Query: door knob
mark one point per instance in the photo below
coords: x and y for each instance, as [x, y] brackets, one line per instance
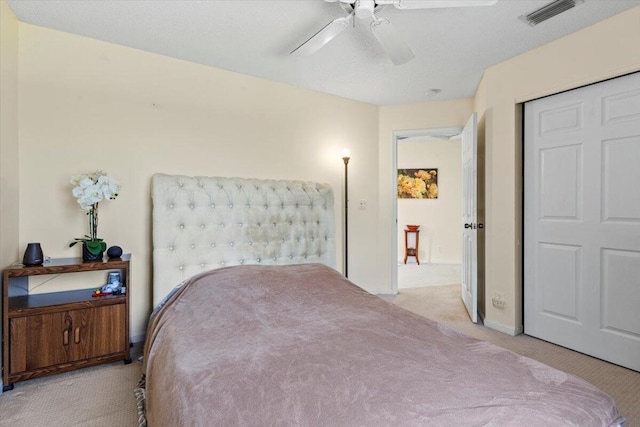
[473, 226]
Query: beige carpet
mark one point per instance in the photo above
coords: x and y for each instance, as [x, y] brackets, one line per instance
[100, 396]
[103, 395]
[443, 304]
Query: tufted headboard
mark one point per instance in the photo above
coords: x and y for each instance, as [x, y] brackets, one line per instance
[203, 223]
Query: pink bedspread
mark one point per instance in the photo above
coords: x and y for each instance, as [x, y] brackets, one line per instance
[301, 346]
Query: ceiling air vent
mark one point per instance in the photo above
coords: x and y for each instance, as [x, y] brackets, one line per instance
[548, 11]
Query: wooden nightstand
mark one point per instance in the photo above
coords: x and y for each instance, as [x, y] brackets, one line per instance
[59, 331]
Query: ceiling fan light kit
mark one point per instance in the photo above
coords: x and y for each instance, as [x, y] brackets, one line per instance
[390, 41]
[364, 8]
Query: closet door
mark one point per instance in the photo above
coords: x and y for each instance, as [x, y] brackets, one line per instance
[582, 220]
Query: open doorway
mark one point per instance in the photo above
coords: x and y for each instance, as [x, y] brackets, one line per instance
[429, 195]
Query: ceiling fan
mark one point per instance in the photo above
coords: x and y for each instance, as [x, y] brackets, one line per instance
[397, 50]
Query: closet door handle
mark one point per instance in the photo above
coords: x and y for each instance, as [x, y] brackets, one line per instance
[76, 335]
[65, 337]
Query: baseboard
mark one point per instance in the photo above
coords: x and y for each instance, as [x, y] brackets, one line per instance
[443, 261]
[430, 261]
[504, 329]
[138, 339]
[378, 291]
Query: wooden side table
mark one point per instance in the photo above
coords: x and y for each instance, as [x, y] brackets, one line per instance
[408, 251]
[58, 331]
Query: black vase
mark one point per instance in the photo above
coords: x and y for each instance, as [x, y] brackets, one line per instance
[88, 256]
[33, 255]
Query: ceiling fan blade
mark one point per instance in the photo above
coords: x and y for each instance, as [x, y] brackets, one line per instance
[393, 45]
[433, 4]
[323, 36]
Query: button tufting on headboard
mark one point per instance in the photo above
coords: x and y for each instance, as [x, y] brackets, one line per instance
[276, 222]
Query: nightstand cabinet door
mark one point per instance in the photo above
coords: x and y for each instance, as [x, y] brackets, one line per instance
[39, 341]
[99, 331]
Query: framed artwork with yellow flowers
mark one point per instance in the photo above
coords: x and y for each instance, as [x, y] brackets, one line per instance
[418, 183]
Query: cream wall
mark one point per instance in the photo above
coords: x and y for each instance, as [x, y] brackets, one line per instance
[88, 105]
[9, 175]
[427, 115]
[439, 219]
[604, 50]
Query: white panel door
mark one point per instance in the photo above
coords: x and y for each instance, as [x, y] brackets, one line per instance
[582, 220]
[470, 217]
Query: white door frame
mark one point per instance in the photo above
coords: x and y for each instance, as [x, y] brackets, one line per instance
[396, 137]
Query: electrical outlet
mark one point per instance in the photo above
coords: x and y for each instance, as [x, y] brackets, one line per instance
[363, 204]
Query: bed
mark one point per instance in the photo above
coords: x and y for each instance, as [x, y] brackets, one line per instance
[263, 331]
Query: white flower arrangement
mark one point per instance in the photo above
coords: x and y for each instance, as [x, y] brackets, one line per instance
[89, 189]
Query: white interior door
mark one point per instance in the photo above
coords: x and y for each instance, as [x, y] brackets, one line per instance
[582, 220]
[470, 217]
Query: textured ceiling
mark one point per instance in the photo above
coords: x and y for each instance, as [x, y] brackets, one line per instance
[452, 46]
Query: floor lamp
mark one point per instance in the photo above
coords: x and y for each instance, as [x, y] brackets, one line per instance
[346, 213]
